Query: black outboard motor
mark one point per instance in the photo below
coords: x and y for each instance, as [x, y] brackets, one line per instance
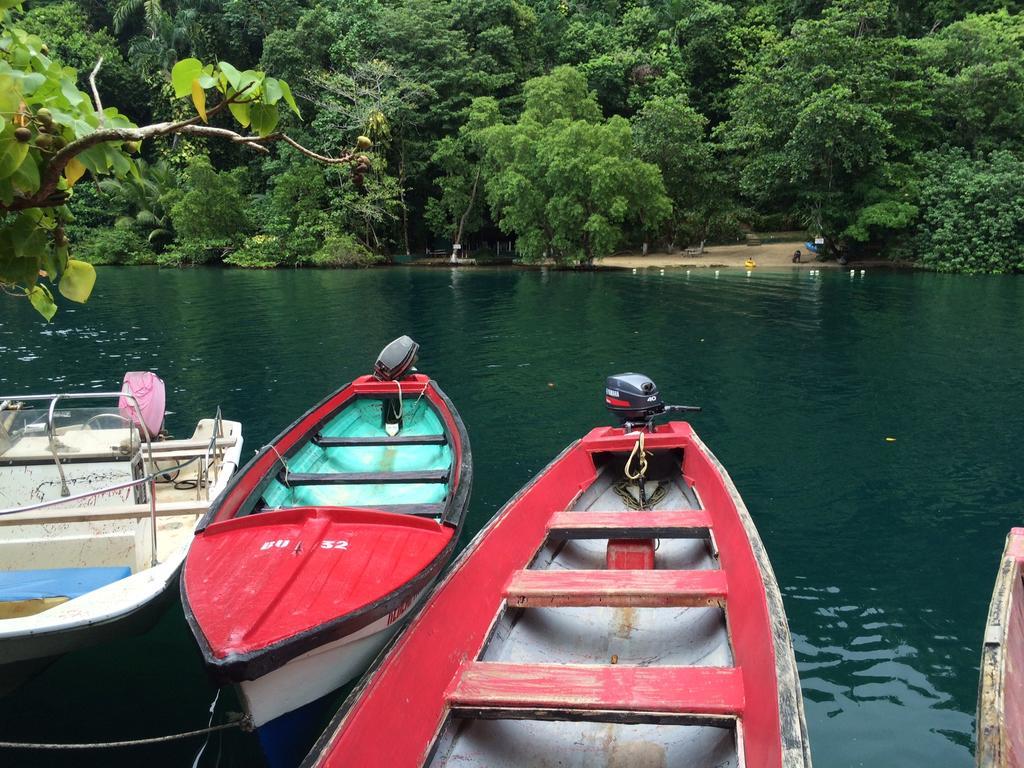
[393, 363]
[634, 399]
[396, 359]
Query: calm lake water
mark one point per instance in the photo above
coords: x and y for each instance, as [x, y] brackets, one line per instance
[885, 551]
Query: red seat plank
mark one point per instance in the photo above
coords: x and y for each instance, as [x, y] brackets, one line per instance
[667, 524]
[652, 588]
[677, 690]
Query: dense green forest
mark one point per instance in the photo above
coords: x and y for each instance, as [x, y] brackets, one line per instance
[572, 128]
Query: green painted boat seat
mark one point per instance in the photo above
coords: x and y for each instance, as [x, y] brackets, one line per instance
[362, 478]
[366, 442]
[37, 584]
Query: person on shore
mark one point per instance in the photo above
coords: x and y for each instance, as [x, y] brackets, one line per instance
[796, 256]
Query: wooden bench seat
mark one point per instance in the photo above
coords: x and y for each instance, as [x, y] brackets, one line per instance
[679, 690]
[615, 588]
[659, 524]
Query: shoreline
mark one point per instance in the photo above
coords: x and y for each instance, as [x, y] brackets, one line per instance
[766, 256]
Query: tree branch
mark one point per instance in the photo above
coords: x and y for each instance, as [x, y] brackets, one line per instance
[95, 91]
[346, 158]
[48, 196]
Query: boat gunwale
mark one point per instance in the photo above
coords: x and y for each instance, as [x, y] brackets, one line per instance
[252, 665]
[791, 720]
[991, 732]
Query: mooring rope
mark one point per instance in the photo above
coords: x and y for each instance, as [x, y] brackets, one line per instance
[243, 722]
[287, 470]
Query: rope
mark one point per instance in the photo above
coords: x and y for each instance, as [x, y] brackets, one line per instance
[622, 490]
[244, 723]
[638, 449]
[284, 463]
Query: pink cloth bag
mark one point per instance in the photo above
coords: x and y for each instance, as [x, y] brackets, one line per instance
[148, 389]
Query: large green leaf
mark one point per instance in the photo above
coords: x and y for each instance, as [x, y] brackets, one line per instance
[232, 75]
[26, 177]
[42, 300]
[12, 154]
[77, 281]
[288, 98]
[241, 113]
[272, 90]
[264, 118]
[10, 93]
[182, 75]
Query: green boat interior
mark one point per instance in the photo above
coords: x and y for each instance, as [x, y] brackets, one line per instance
[353, 461]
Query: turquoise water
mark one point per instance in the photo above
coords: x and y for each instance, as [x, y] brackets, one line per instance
[885, 551]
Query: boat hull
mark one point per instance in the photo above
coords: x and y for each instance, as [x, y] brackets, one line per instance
[1000, 736]
[128, 606]
[334, 532]
[577, 631]
[316, 674]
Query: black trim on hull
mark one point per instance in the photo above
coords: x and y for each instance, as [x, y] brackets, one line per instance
[387, 442]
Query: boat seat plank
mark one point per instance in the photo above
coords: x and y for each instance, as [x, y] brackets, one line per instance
[365, 442]
[618, 588]
[362, 478]
[169, 446]
[660, 524]
[624, 688]
[418, 510]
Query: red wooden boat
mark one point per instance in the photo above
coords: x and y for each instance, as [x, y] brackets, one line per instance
[620, 610]
[321, 545]
[1001, 691]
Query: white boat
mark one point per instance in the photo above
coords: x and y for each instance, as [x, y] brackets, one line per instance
[96, 516]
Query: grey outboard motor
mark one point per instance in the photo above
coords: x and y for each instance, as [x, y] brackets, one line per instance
[634, 400]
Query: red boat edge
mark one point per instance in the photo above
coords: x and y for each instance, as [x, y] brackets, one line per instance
[397, 713]
[1000, 737]
[246, 487]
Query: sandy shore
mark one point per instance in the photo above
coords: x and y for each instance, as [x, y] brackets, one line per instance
[767, 255]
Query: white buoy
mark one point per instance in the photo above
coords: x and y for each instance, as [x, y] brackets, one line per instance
[634, 270]
[862, 273]
[663, 271]
[749, 273]
[851, 272]
[687, 272]
[716, 273]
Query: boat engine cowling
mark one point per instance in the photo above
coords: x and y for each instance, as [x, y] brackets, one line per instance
[396, 359]
[632, 397]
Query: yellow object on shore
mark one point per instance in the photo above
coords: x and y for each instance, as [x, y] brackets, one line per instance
[750, 264]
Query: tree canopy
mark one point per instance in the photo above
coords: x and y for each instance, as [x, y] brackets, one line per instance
[570, 129]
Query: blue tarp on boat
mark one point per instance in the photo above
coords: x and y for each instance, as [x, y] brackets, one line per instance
[57, 582]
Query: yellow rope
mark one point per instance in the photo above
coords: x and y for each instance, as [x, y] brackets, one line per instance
[638, 450]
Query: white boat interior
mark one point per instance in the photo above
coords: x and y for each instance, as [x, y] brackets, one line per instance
[95, 515]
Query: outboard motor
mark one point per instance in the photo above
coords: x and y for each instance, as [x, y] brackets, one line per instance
[634, 399]
[393, 363]
[396, 359]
